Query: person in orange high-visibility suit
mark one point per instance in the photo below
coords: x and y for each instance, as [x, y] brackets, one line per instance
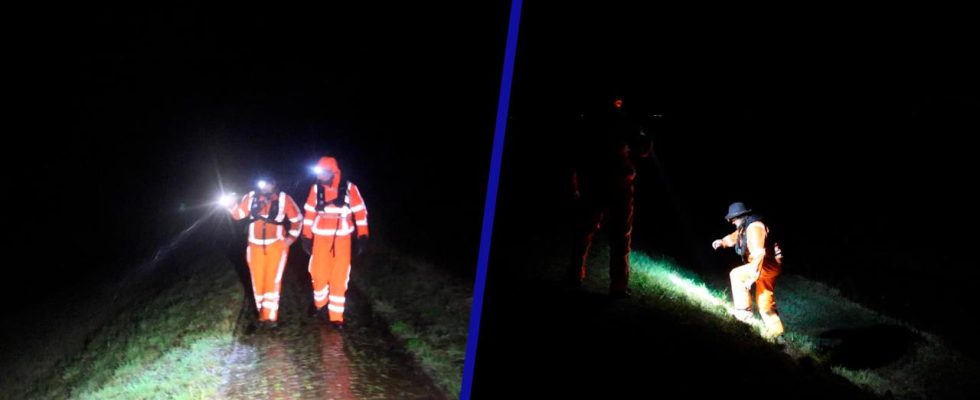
[610, 145]
[763, 263]
[334, 211]
[268, 243]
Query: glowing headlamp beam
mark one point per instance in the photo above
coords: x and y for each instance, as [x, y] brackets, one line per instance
[226, 200]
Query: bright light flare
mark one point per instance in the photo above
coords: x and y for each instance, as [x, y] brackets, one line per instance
[226, 200]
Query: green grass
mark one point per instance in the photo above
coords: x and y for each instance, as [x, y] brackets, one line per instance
[424, 308]
[175, 351]
[808, 308]
[191, 371]
[866, 379]
[662, 278]
[174, 338]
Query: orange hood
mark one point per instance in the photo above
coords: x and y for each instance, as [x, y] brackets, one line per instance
[330, 163]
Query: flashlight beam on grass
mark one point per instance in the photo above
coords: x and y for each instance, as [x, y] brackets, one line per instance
[696, 292]
[701, 295]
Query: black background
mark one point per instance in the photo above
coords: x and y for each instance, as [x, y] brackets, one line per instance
[850, 129]
[128, 116]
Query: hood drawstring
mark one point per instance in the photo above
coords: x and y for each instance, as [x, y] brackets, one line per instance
[333, 242]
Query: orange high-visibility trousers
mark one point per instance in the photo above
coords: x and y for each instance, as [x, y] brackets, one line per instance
[266, 263]
[613, 212]
[330, 270]
[742, 279]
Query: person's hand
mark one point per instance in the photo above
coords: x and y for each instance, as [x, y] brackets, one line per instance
[716, 244]
[307, 244]
[362, 243]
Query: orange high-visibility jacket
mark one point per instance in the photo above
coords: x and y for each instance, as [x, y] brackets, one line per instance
[260, 231]
[340, 217]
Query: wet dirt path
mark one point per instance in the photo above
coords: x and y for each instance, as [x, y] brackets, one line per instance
[305, 359]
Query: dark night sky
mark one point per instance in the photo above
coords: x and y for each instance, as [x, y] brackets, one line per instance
[857, 119]
[865, 120]
[133, 110]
